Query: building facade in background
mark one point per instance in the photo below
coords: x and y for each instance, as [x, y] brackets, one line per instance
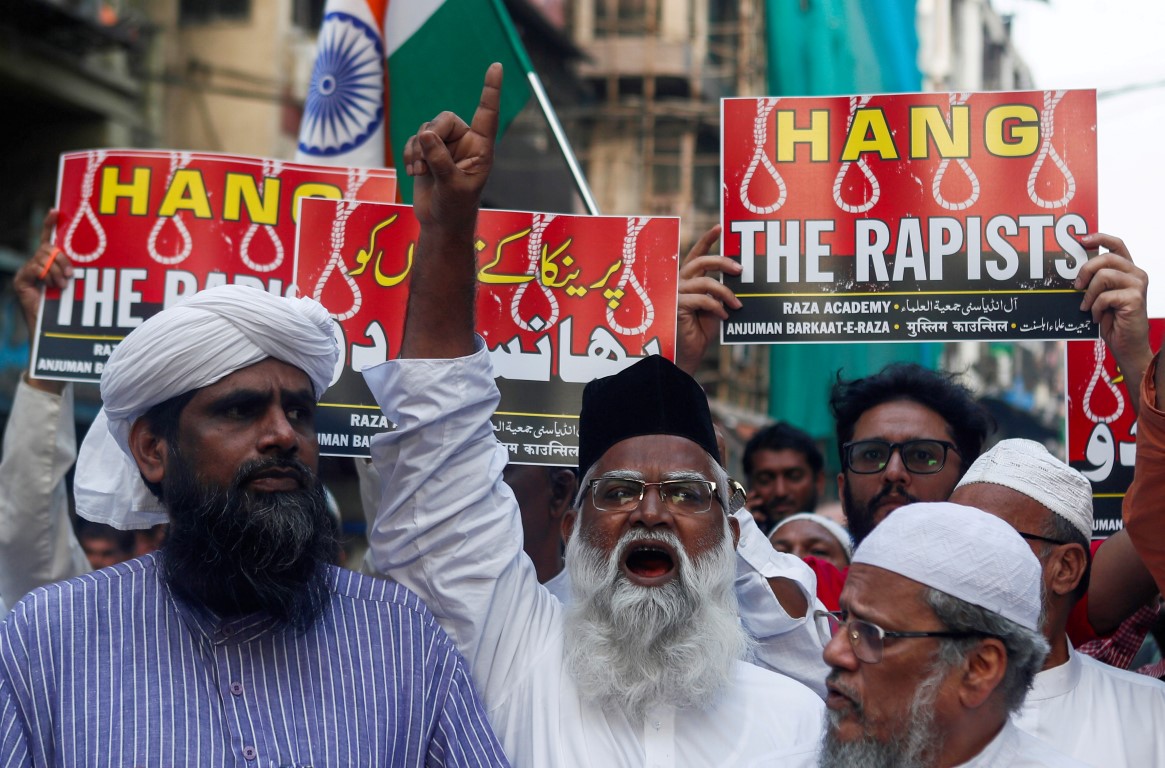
[637, 84]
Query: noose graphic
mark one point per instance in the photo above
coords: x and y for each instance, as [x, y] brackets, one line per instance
[356, 179]
[634, 227]
[177, 160]
[875, 188]
[93, 161]
[1047, 128]
[957, 99]
[271, 168]
[533, 254]
[760, 138]
[1099, 372]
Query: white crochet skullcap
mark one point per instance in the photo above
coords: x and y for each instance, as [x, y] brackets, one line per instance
[188, 346]
[1027, 467]
[962, 551]
[839, 533]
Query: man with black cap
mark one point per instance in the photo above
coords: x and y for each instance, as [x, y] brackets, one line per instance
[644, 668]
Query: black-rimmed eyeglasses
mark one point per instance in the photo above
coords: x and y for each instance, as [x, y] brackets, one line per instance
[621, 494]
[866, 638]
[922, 457]
[1037, 537]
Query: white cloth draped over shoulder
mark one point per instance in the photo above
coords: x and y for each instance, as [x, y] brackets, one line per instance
[1012, 748]
[37, 545]
[449, 529]
[186, 347]
[1100, 715]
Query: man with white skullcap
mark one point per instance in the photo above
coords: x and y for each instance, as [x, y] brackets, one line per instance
[810, 534]
[1096, 713]
[239, 643]
[936, 643]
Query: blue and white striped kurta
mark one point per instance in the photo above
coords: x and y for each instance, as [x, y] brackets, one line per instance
[110, 669]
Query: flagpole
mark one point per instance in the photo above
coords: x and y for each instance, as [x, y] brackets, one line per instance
[548, 112]
[544, 104]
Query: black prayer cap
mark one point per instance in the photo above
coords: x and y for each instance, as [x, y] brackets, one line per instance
[652, 397]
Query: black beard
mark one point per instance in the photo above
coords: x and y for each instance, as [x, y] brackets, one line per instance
[770, 510]
[860, 519]
[237, 552]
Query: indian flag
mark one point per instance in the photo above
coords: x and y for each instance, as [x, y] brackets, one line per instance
[403, 61]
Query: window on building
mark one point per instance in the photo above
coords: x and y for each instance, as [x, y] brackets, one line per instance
[203, 11]
[668, 158]
[307, 14]
[625, 17]
[706, 169]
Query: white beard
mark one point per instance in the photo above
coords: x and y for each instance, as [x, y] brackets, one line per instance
[915, 745]
[632, 647]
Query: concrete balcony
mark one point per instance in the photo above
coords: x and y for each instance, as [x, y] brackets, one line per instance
[637, 56]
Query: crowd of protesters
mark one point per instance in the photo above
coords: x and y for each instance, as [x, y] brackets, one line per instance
[640, 609]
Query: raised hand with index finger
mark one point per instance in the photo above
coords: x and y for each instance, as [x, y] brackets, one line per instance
[450, 161]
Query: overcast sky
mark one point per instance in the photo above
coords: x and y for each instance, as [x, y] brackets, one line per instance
[1111, 45]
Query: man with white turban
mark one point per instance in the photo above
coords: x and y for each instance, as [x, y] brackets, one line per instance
[239, 643]
[1096, 713]
[936, 643]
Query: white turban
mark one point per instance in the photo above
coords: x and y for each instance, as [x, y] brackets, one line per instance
[839, 533]
[962, 551]
[186, 347]
[1027, 467]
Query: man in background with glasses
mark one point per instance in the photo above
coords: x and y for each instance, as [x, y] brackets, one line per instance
[1096, 713]
[906, 434]
[936, 643]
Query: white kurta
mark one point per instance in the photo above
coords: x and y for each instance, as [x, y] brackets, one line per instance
[449, 529]
[1013, 748]
[1100, 715]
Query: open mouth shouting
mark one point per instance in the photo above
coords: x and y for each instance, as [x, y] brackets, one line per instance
[840, 698]
[649, 562]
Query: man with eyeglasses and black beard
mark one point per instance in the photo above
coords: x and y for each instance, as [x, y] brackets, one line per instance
[906, 434]
[937, 642]
[644, 668]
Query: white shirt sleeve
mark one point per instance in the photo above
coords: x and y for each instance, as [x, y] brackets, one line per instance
[37, 543]
[448, 527]
[784, 644]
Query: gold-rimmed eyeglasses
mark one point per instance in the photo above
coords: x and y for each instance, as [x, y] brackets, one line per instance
[623, 494]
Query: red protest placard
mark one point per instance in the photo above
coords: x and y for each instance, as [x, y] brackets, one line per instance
[145, 228]
[1102, 427]
[561, 300]
[912, 217]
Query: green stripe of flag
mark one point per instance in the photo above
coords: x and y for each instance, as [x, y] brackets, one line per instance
[441, 67]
